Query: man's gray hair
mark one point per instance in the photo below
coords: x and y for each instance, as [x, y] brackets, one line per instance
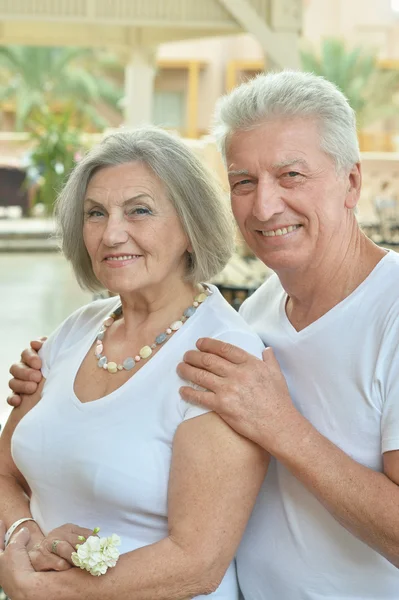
[290, 94]
[197, 197]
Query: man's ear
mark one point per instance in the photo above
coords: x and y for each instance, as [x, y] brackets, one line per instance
[354, 180]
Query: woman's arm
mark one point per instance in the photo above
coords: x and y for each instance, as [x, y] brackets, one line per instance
[214, 480]
[14, 490]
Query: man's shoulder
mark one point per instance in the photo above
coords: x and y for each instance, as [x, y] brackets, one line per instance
[269, 291]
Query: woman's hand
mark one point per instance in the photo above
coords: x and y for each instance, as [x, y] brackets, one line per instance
[26, 374]
[54, 552]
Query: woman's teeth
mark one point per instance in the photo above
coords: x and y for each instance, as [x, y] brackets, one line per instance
[125, 257]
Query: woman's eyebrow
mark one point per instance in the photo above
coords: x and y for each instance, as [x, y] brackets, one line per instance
[124, 203]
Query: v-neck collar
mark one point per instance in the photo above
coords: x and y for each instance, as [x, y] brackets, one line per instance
[327, 317]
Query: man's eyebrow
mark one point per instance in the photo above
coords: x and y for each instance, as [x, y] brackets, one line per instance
[290, 162]
[237, 173]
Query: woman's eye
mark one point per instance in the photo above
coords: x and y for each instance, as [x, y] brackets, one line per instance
[140, 211]
[94, 213]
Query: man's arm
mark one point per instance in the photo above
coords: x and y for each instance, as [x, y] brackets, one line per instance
[214, 480]
[364, 501]
[26, 374]
[253, 398]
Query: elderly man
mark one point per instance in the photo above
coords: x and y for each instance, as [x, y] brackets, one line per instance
[325, 400]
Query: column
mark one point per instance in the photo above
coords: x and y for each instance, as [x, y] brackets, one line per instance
[192, 99]
[139, 87]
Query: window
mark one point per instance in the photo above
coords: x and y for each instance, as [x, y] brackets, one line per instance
[169, 109]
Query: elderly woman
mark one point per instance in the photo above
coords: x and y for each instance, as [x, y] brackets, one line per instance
[107, 440]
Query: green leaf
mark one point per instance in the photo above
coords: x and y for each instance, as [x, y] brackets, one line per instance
[371, 92]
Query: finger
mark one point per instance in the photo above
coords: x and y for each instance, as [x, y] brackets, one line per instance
[14, 400]
[47, 561]
[21, 371]
[227, 351]
[2, 534]
[273, 366]
[205, 399]
[210, 362]
[37, 344]
[22, 387]
[200, 377]
[31, 358]
[76, 530]
[62, 549]
[17, 551]
[268, 354]
[20, 540]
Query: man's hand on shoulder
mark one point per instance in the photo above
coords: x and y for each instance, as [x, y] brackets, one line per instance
[251, 395]
[26, 373]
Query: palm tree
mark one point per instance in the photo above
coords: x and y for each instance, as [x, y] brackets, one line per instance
[33, 77]
[369, 89]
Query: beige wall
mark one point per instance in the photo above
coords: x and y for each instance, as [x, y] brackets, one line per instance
[368, 22]
[215, 53]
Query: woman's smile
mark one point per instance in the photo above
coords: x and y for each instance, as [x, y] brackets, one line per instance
[116, 261]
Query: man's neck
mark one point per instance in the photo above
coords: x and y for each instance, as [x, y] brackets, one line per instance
[312, 293]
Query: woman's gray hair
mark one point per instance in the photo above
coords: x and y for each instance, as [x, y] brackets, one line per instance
[194, 192]
[291, 94]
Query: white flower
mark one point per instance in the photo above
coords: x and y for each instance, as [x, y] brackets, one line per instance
[97, 555]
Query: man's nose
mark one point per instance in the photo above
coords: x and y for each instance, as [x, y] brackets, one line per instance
[268, 201]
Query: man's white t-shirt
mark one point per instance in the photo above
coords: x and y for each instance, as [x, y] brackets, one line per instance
[343, 375]
[106, 463]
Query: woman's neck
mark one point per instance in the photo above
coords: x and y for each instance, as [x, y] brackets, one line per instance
[157, 306]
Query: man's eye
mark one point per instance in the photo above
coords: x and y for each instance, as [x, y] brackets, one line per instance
[292, 174]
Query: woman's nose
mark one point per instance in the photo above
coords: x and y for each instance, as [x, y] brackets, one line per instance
[115, 232]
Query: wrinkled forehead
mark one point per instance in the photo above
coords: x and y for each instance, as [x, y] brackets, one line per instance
[125, 180]
[277, 143]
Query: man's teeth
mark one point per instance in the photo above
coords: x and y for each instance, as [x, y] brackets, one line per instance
[126, 257]
[282, 231]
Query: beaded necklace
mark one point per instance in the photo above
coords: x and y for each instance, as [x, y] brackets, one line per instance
[129, 363]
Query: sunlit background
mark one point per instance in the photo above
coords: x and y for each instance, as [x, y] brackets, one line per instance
[71, 71]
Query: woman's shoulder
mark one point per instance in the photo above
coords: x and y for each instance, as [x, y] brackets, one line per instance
[81, 322]
[88, 316]
[220, 320]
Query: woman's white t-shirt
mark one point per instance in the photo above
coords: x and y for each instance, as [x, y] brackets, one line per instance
[106, 463]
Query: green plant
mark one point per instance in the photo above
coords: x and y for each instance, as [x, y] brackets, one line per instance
[56, 146]
[32, 77]
[370, 89]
